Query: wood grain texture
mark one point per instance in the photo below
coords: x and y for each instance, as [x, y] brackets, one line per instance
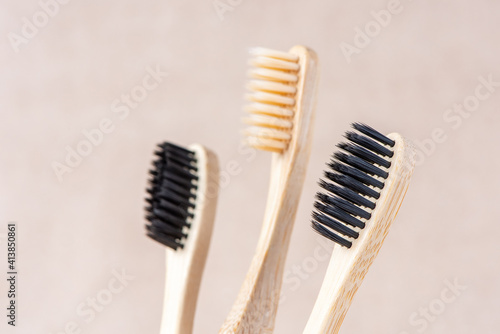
[348, 267]
[184, 267]
[255, 308]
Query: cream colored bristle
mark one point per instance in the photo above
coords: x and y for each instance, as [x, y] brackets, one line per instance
[268, 109]
[274, 54]
[269, 86]
[272, 90]
[273, 63]
[269, 122]
[269, 133]
[271, 98]
[273, 75]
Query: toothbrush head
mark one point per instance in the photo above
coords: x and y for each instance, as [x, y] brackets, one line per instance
[353, 184]
[275, 89]
[172, 194]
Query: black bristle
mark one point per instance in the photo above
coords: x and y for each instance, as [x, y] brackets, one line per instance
[327, 233]
[356, 178]
[339, 214]
[181, 161]
[369, 144]
[352, 184]
[169, 147]
[171, 197]
[347, 194]
[180, 170]
[183, 182]
[364, 154]
[344, 205]
[371, 132]
[332, 223]
[360, 164]
[355, 173]
[177, 189]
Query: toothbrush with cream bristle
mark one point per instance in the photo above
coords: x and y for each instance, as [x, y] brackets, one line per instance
[283, 95]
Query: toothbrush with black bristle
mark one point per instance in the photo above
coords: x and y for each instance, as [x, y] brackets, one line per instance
[180, 212]
[364, 186]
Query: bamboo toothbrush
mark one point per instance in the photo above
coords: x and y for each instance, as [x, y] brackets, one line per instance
[181, 211]
[366, 186]
[283, 94]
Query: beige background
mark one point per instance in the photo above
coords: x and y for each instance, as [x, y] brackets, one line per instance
[73, 233]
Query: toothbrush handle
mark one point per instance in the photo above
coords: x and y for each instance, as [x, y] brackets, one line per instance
[257, 303]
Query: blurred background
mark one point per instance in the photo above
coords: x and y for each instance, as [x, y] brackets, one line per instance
[71, 70]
